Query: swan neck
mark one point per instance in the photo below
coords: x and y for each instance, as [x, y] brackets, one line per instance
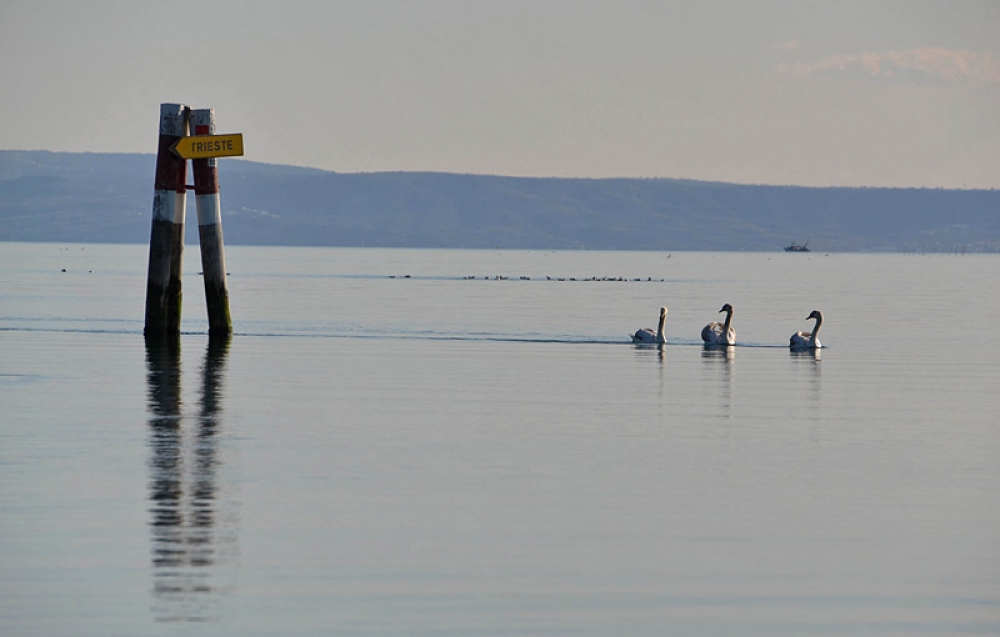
[814, 337]
[729, 320]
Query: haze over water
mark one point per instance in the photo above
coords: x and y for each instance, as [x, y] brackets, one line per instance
[387, 447]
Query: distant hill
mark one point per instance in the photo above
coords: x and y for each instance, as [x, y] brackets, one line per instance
[89, 197]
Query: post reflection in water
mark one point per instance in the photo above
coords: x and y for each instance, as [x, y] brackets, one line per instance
[191, 538]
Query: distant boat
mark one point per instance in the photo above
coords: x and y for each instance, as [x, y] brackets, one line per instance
[798, 248]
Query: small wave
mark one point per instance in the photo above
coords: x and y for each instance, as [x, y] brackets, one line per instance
[494, 338]
[12, 379]
[415, 336]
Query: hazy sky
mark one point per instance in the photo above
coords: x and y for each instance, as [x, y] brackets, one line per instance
[878, 93]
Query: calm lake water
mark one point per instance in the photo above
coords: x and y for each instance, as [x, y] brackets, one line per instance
[387, 447]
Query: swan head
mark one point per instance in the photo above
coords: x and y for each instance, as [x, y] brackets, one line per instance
[726, 308]
[815, 314]
[663, 311]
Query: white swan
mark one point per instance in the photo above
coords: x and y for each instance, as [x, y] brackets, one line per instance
[716, 333]
[646, 335]
[808, 340]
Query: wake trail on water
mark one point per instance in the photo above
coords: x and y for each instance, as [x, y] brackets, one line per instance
[413, 336]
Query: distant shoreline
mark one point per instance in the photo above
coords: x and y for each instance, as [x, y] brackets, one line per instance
[107, 198]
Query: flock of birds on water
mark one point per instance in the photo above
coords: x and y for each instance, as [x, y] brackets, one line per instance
[717, 334]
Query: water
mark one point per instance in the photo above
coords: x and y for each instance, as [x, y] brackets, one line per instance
[387, 447]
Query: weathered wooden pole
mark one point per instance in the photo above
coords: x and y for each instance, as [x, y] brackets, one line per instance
[166, 240]
[213, 257]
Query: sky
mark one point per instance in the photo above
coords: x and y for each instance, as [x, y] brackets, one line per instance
[815, 93]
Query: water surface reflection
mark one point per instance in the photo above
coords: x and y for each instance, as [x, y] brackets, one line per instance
[723, 358]
[651, 349]
[190, 538]
[809, 360]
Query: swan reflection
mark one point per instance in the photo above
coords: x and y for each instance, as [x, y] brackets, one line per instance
[651, 349]
[190, 538]
[725, 352]
[807, 363]
[721, 357]
[805, 354]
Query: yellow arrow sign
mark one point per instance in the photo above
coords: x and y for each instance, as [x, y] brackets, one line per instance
[205, 146]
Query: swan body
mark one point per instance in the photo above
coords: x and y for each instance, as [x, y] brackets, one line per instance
[716, 333]
[808, 340]
[647, 335]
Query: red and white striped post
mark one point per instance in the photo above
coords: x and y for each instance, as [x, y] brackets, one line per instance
[166, 240]
[213, 258]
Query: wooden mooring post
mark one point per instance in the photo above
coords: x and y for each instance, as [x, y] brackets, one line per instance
[213, 257]
[166, 241]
